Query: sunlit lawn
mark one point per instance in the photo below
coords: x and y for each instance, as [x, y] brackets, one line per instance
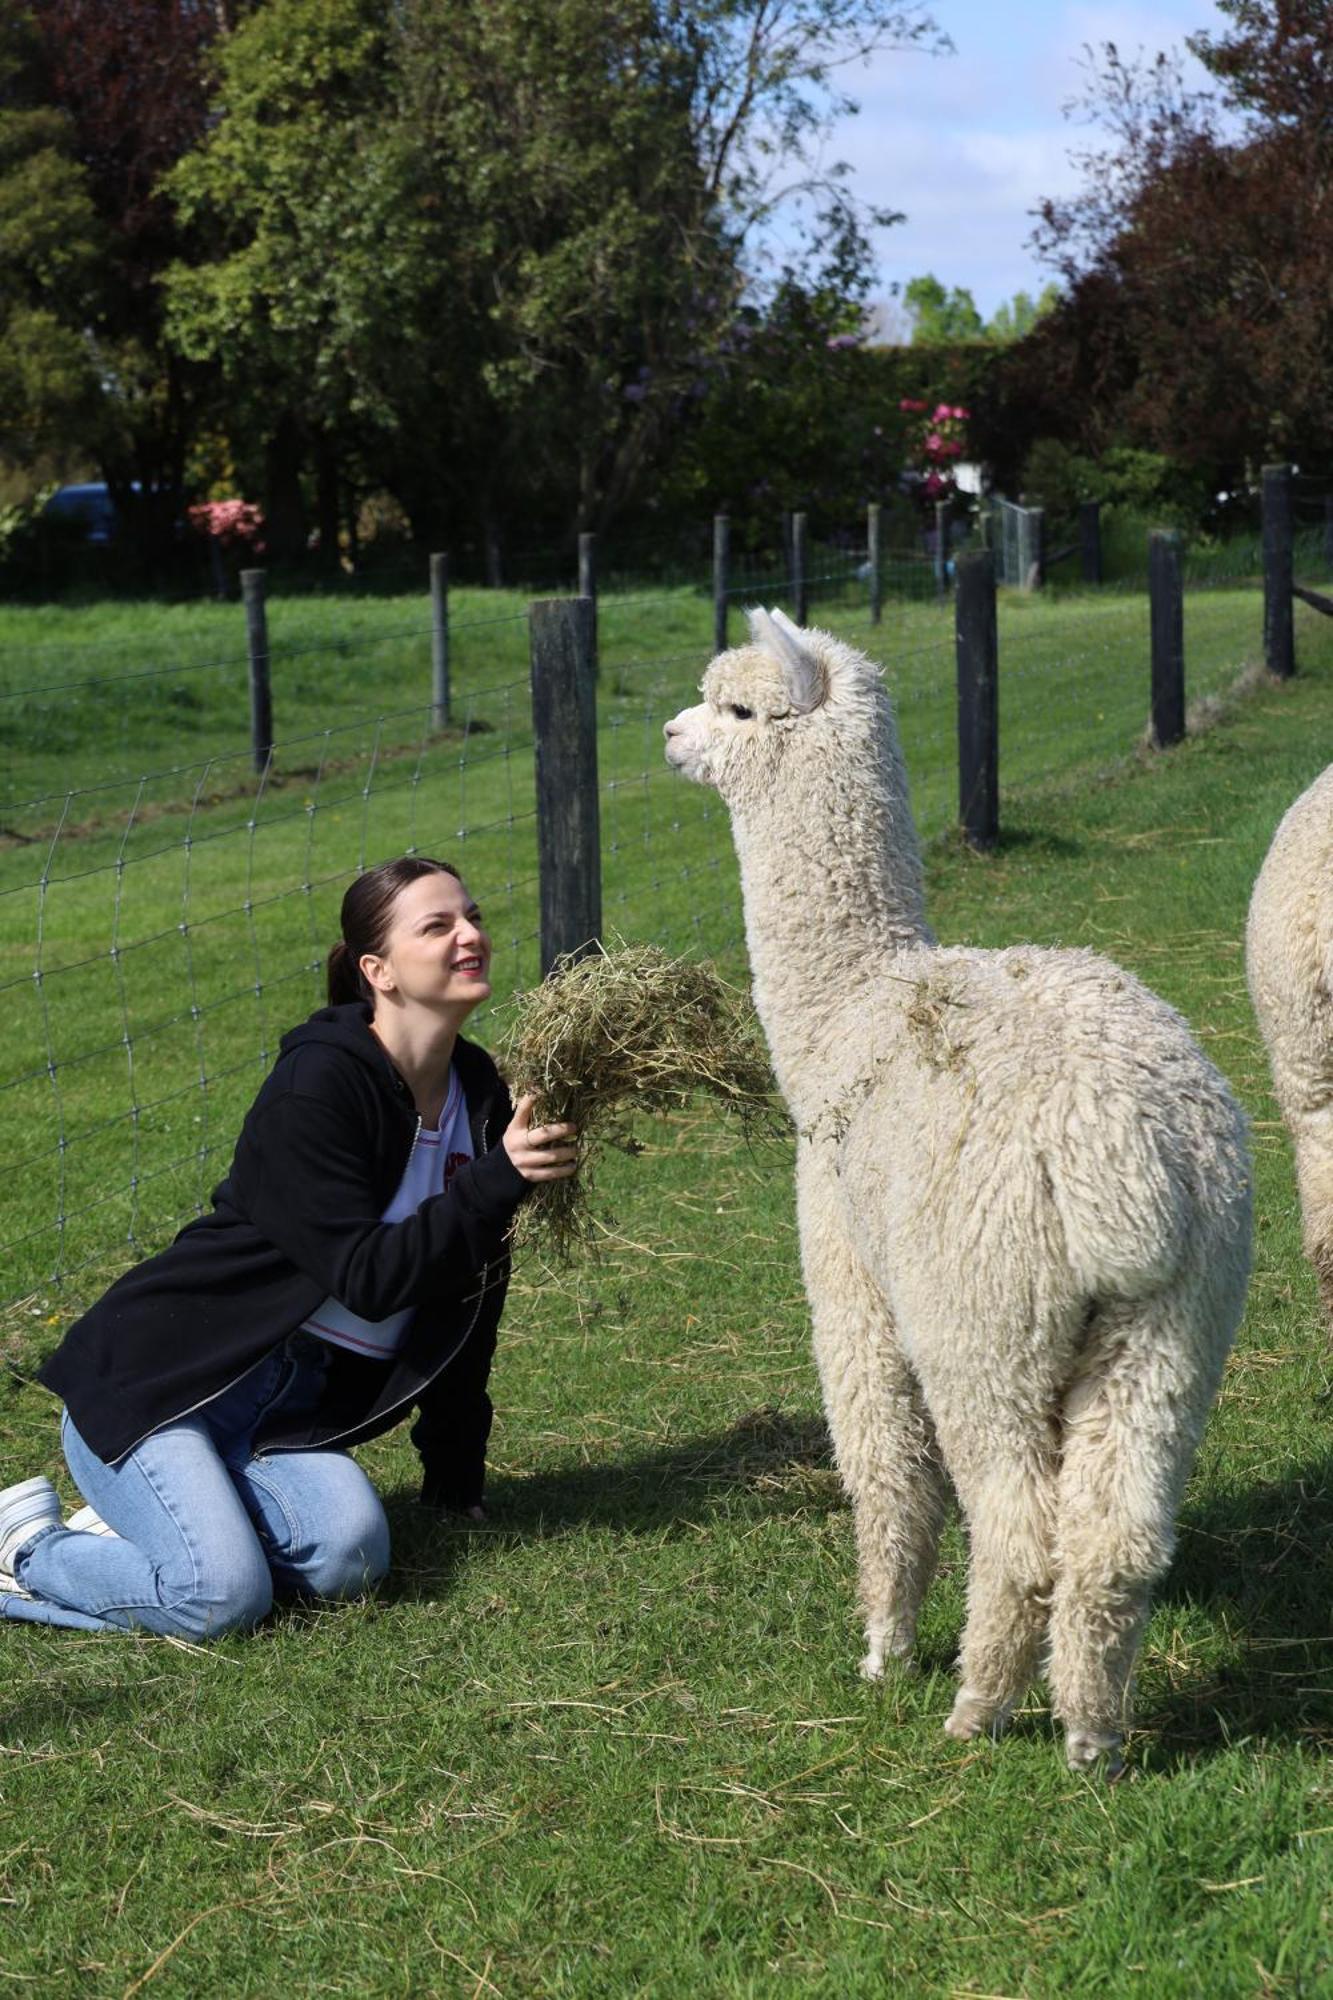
[615, 1743]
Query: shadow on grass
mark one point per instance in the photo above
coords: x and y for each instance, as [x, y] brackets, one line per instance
[1041, 842]
[772, 1461]
[1255, 1561]
[1259, 1561]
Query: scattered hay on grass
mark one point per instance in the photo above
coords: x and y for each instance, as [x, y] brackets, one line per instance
[618, 1033]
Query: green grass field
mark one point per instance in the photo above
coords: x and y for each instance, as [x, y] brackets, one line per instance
[157, 932]
[615, 1743]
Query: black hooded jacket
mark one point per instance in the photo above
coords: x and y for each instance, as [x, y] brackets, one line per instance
[319, 1158]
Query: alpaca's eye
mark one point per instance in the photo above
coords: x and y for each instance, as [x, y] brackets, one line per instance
[742, 714]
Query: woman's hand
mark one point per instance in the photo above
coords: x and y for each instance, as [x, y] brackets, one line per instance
[540, 1152]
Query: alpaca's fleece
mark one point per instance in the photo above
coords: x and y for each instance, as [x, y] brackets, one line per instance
[1289, 963]
[1023, 1196]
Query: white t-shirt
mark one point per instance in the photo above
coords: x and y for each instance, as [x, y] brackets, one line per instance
[432, 1164]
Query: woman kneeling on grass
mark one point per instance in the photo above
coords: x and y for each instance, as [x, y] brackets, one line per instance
[354, 1266]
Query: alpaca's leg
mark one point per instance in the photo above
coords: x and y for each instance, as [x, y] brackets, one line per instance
[883, 1441]
[1312, 1138]
[885, 1449]
[899, 1494]
[1132, 1424]
[1004, 1466]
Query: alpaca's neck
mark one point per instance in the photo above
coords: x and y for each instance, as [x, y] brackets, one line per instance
[831, 876]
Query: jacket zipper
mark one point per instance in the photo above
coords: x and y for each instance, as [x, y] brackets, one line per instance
[404, 1402]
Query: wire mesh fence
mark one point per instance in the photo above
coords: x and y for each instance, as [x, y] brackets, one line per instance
[154, 955]
[165, 918]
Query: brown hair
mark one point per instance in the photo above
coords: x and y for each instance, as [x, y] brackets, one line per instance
[367, 918]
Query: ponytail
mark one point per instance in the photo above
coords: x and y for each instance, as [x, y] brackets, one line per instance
[344, 977]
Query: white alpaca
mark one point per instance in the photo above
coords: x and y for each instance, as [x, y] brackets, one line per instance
[1289, 960]
[1023, 1199]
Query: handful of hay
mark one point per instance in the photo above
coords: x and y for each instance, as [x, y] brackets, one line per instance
[619, 1032]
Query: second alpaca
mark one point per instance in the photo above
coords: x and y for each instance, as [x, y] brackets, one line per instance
[1289, 965]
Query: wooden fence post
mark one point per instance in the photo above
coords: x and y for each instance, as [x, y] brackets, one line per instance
[1166, 599]
[588, 585]
[1279, 644]
[1328, 531]
[873, 562]
[1090, 539]
[977, 652]
[941, 547]
[439, 641]
[799, 586]
[256, 639]
[564, 724]
[721, 580]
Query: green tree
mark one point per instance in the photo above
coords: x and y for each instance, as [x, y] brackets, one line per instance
[1016, 317]
[786, 421]
[95, 103]
[313, 253]
[593, 254]
[940, 317]
[944, 318]
[492, 249]
[1196, 321]
[51, 254]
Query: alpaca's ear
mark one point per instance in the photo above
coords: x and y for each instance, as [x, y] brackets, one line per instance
[774, 631]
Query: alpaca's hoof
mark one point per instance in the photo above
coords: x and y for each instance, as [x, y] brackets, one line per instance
[971, 1716]
[1085, 1749]
[887, 1647]
[877, 1663]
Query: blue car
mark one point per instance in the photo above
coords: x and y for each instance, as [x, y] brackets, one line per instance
[89, 505]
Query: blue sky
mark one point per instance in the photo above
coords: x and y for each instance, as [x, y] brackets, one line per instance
[967, 144]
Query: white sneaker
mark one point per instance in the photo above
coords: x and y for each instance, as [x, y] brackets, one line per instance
[32, 1504]
[87, 1521]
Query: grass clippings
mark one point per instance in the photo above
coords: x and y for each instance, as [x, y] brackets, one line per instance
[611, 1036]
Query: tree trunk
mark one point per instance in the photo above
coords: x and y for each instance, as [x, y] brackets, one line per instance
[326, 501]
[491, 554]
[284, 507]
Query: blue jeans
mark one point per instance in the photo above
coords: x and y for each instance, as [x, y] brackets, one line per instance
[208, 1532]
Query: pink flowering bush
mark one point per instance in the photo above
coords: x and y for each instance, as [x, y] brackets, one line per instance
[230, 524]
[935, 445]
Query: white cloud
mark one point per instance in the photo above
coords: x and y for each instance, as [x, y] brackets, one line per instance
[969, 145]
[969, 214]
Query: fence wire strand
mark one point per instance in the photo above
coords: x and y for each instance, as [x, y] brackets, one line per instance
[163, 925]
